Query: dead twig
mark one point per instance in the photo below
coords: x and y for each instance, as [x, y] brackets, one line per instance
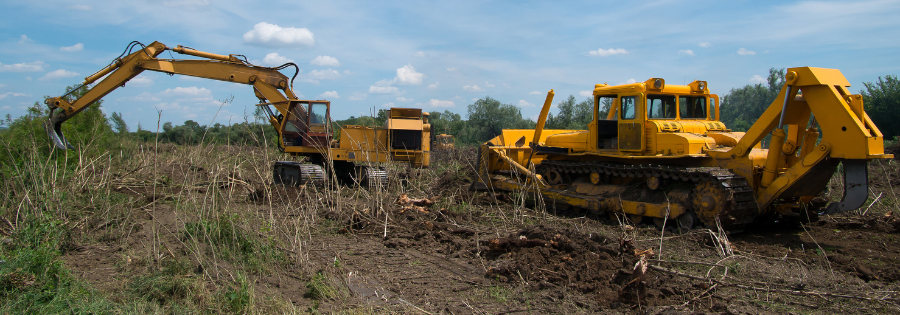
[792, 292]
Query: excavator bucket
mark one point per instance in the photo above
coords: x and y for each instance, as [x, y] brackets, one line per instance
[856, 187]
[54, 131]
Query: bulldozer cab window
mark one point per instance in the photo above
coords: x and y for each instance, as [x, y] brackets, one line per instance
[660, 106]
[692, 107]
[317, 113]
[604, 104]
[628, 107]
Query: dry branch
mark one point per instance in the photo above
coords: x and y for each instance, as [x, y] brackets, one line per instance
[793, 292]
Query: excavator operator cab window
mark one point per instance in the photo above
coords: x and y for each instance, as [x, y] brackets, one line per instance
[692, 107]
[660, 106]
[317, 114]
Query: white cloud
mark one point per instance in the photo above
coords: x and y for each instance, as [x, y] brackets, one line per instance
[408, 75]
[586, 93]
[23, 67]
[629, 81]
[383, 87]
[143, 97]
[324, 74]
[488, 84]
[419, 54]
[186, 3]
[434, 85]
[523, 103]
[452, 69]
[191, 91]
[266, 34]
[705, 44]
[274, 59]
[73, 48]
[473, 88]
[687, 52]
[439, 103]
[534, 93]
[58, 74]
[403, 99]
[506, 85]
[80, 7]
[388, 105]
[24, 39]
[329, 95]
[325, 61]
[743, 51]
[140, 81]
[7, 94]
[608, 52]
[757, 79]
[172, 106]
[357, 96]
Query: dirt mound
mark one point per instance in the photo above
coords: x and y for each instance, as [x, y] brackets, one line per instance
[551, 259]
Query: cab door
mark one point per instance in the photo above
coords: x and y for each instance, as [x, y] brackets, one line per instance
[631, 123]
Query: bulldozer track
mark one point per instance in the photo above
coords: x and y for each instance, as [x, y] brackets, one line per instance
[738, 208]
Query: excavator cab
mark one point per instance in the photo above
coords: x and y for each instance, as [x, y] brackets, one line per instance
[307, 124]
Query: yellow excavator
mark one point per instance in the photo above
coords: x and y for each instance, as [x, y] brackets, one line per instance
[303, 126]
[662, 153]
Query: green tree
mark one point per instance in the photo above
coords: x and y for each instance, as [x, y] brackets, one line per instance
[119, 123]
[882, 103]
[488, 117]
[89, 130]
[741, 107]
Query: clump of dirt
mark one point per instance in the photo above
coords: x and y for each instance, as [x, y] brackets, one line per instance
[549, 259]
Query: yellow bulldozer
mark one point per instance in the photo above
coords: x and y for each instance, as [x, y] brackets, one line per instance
[662, 153]
[304, 126]
[443, 142]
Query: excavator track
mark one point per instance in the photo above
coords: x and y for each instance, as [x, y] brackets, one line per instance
[373, 177]
[718, 193]
[296, 173]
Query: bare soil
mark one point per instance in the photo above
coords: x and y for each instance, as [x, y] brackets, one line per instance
[482, 253]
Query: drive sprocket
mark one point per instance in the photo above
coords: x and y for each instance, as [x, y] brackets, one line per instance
[709, 200]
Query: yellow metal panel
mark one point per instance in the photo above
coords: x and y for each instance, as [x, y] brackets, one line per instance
[405, 124]
[819, 76]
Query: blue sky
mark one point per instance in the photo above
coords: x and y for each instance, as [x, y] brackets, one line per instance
[436, 55]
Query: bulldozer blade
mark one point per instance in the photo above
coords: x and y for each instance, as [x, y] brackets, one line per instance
[54, 131]
[856, 187]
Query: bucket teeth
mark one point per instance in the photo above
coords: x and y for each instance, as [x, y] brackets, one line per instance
[54, 132]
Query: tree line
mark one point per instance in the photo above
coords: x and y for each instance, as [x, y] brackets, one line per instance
[484, 119]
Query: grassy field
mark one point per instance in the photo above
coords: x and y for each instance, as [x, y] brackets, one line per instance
[145, 228]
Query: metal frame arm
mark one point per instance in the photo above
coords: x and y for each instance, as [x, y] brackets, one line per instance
[266, 82]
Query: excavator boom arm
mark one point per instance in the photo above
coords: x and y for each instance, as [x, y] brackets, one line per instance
[270, 85]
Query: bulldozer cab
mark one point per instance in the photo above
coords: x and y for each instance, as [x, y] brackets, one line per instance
[307, 124]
